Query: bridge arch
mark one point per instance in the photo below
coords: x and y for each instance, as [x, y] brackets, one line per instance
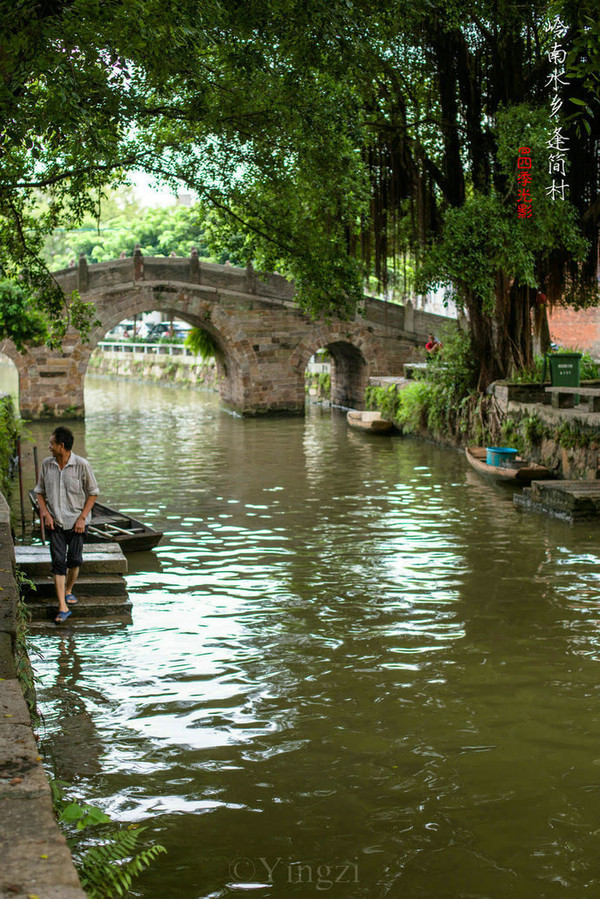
[264, 341]
[355, 355]
[236, 360]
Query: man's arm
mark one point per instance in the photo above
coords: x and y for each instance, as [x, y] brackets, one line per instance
[44, 512]
[79, 526]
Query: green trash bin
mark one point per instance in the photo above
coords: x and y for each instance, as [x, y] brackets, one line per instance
[565, 369]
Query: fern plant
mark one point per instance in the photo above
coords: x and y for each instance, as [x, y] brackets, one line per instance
[108, 868]
[201, 343]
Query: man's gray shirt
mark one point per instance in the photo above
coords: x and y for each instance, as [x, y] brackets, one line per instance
[66, 491]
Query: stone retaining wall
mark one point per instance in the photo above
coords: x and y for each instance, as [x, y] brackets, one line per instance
[34, 857]
[182, 371]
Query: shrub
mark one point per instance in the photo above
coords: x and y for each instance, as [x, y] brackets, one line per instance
[535, 374]
[9, 432]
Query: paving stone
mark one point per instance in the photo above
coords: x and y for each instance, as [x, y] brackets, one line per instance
[12, 703]
[40, 866]
[21, 771]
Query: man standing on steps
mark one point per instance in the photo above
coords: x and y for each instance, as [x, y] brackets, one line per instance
[66, 491]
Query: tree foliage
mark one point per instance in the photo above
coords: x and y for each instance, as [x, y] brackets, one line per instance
[325, 141]
[203, 96]
[159, 231]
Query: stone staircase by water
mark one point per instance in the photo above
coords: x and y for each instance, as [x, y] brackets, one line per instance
[100, 588]
[570, 500]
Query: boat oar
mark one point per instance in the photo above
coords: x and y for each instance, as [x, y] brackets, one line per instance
[37, 474]
[20, 467]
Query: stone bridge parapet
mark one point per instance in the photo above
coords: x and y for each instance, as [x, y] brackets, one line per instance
[263, 339]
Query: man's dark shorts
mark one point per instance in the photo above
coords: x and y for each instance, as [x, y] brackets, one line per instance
[66, 549]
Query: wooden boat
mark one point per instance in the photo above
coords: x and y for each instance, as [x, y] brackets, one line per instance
[111, 526]
[519, 471]
[369, 421]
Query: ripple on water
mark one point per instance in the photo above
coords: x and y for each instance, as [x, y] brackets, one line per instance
[344, 650]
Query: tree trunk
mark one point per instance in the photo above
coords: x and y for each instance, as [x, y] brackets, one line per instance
[501, 341]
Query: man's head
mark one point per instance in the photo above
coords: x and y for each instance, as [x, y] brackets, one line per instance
[61, 440]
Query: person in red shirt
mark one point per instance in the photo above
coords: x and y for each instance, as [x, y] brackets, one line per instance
[433, 345]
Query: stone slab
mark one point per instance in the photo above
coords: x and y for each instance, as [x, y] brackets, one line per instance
[21, 772]
[99, 607]
[90, 626]
[12, 704]
[87, 586]
[35, 560]
[35, 549]
[41, 866]
[35, 858]
[7, 661]
[569, 500]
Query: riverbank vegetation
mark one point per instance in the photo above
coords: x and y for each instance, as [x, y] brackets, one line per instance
[535, 373]
[9, 434]
[421, 117]
[443, 403]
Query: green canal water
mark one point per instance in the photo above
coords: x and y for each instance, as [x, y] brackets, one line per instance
[354, 668]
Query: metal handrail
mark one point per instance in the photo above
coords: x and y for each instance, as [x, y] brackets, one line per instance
[157, 349]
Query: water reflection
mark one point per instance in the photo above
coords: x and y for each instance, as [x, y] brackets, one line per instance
[347, 652]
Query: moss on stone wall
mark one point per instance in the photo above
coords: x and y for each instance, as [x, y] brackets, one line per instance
[155, 369]
[9, 432]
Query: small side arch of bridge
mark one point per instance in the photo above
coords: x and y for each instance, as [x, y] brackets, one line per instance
[263, 340]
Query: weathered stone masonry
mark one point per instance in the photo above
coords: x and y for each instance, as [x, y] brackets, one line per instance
[264, 342]
[35, 858]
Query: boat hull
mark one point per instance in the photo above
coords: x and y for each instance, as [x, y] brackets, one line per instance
[371, 422]
[111, 526]
[519, 472]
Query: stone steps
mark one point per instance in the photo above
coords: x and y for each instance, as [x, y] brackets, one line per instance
[570, 500]
[100, 588]
[98, 607]
[88, 585]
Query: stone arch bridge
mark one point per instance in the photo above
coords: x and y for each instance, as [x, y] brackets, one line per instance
[264, 342]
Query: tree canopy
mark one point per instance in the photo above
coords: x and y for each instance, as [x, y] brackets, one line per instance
[158, 231]
[325, 141]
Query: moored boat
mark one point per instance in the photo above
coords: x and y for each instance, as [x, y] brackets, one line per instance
[518, 470]
[111, 526]
[369, 421]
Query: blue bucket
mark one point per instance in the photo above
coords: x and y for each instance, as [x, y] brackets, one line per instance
[500, 456]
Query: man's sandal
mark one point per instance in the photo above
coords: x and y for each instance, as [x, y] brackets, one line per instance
[62, 617]
[71, 599]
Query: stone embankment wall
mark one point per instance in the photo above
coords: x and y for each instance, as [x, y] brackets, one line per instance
[181, 371]
[565, 440]
[34, 857]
